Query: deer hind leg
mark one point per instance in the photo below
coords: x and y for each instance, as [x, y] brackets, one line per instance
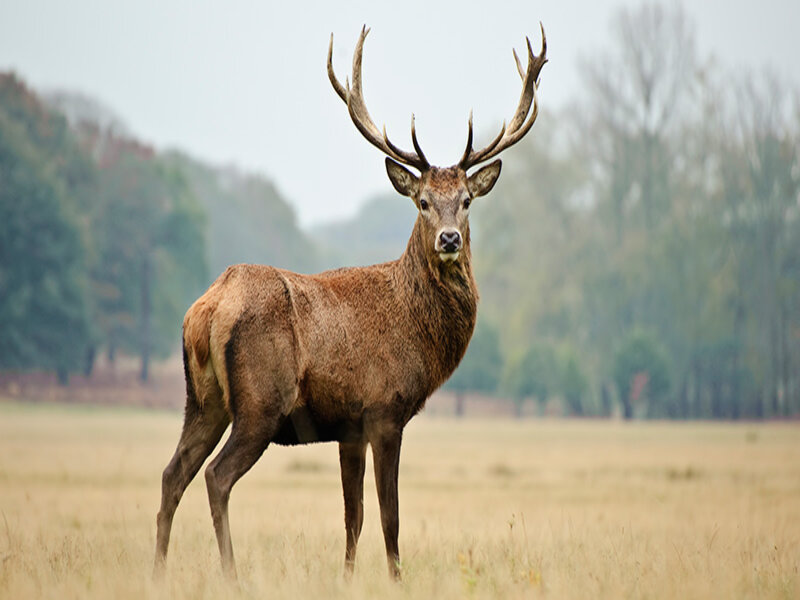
[244, 447]
[262, 387]
[202, 430]
[352, 458]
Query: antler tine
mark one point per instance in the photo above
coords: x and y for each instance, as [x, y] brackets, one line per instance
[544, 41]
[468, 149]
[470, 157]
[414, 141]
[342, 93]
[354, 98]
[521, 122]
[526, 96]
[423, 164]
[520, 70]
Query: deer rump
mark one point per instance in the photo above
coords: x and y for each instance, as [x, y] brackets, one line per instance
[319, 345]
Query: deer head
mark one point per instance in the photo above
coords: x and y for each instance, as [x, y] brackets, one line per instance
[442, 195]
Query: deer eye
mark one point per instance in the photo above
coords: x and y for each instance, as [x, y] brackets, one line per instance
[423, 204]
[467, 202]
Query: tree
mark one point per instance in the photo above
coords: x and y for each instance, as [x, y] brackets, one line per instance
[528, 237]
[572, 383]
[760, 183]
[535, 375]
[151, 250]
[376, 233]
[247, 219]
[43, 307]
[480, 368]
[641, 373]
[634, 101]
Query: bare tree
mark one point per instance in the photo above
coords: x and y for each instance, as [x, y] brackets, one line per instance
[636, 94]
[759, 137]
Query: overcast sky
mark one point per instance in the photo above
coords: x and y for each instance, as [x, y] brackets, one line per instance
[244, 82]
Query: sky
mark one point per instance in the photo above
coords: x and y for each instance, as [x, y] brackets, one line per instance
[244, 82]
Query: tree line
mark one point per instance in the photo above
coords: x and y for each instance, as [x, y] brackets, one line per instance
[640, 256]
[105, 242]
[643, 255]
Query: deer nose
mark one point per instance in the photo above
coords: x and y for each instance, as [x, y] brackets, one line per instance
[450, 241]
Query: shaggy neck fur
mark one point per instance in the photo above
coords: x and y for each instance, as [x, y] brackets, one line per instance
[442, 300]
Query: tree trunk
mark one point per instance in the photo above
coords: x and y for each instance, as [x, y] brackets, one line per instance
[699, 409]
[683, 400]
[627, 409]
[88, 365]
[716, 398]
[518, 408]
[647, 183]
[760, 404]
[774, 369]
[146, 319]
[605, 400]
[785, 360]
[459, 408]
[736, 384]
[625, 400]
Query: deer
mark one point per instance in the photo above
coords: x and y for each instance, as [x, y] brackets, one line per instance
[348, 355]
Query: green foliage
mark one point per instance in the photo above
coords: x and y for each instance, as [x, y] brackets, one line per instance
[101, 243]
[641, 373]
[105, 243]
[247, 219]
[535, 374]
[573, 384]
[482, 364]
[664, 200]
[544, 371]
[526, 234]
[377, 233]
[672, 210]
[151, 252]
[43, 305]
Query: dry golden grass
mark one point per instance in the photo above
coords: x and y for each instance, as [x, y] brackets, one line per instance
[495, 509]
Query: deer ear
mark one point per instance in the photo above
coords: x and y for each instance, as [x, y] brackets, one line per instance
[482, 182]
[403, 180]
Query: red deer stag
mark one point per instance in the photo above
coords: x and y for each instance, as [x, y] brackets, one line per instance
[348, 355]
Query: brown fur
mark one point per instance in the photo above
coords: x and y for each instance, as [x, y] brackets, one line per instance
[359, 335]
[348, 355]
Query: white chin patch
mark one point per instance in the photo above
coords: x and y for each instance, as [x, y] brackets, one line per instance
[448, 256]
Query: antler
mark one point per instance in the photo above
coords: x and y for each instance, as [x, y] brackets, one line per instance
[360, 115]
[518, 126]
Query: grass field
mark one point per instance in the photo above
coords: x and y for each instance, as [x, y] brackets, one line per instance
[551, 509]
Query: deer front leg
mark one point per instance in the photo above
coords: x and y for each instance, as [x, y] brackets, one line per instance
[386, 457]
[352, 458]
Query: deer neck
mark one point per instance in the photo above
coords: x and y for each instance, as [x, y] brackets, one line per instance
[442, 299]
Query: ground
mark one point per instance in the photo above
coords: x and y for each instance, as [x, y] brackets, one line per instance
[489, 508]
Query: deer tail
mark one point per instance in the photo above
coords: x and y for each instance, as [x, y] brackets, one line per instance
[196, 344]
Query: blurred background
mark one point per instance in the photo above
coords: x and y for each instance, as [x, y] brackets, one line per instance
[639, 258]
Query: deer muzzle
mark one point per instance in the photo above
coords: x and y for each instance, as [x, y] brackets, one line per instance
[448, 244]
